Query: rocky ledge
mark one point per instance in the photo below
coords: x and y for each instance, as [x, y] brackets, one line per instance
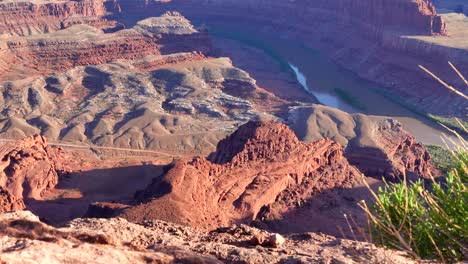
[23, 238]
[86, 45]
[22, 18]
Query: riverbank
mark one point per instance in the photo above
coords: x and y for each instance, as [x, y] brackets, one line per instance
[330, 84]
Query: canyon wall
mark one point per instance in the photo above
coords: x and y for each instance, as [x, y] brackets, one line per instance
[30, 17]
[86, 45]
[371, 38]
[415, 16]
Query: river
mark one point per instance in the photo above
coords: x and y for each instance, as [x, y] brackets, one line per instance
[329, 83]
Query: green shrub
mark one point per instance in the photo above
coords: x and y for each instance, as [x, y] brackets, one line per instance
[442, 158]
[427, 222]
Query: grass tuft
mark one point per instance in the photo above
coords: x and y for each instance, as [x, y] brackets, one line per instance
[427, 220]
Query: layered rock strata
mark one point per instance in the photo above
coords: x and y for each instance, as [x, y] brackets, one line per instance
[86, 45]
[35, 17]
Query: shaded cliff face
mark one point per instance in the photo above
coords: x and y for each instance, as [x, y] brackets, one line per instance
[412, 16]
[249, 170]
[377, 146]
[27, 171]
[33, 17]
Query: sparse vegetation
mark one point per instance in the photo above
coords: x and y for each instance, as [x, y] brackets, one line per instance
[427, 220]
[428, 223]
[442, 158]
[459, 126]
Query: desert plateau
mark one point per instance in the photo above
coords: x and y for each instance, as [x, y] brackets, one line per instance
[233, 131]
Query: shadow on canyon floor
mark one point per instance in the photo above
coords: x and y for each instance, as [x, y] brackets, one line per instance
[76, 190]
[325, 213]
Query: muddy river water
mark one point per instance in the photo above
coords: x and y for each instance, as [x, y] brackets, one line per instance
[329, 83]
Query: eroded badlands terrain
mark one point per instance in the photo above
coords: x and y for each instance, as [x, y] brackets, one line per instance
[131, 134]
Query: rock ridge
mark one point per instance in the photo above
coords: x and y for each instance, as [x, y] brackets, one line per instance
[261, 160]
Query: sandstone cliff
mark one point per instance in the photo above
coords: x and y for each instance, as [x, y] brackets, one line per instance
[86, 45]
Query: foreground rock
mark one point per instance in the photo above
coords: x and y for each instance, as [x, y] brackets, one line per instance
[258, 165]
[377, 146]
[23, 238]
[27, 171]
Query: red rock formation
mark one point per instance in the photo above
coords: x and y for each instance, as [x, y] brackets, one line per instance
[249, 170]
[27, 171]
[395, 155]
[27, 17]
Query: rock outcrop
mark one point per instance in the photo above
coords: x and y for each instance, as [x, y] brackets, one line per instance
[27, 171]
[396, 154]
[249, 170]
[23, 238]
[377, 146]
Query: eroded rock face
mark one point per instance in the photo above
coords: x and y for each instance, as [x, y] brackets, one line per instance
[396, 155]
[34, 17]
[420, 16]
[180, 103]
[149, 87]
[248, 171]
[27, 171]
[87, 45]
[377, 146]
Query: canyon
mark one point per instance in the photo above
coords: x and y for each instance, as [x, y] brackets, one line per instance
[215, 131]
[22, 18]
[383, 50]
